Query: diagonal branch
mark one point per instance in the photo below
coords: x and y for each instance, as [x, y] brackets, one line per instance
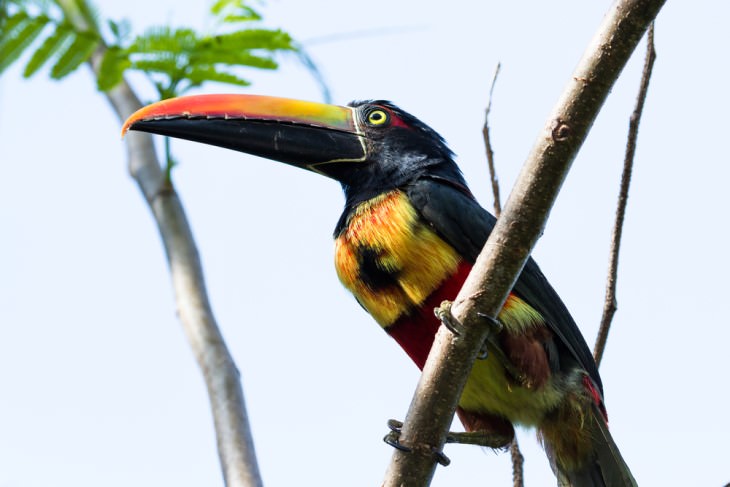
[609, 302]
[235, 442]
[508, 247]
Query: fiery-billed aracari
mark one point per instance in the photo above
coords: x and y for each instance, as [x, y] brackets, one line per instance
[409, 234]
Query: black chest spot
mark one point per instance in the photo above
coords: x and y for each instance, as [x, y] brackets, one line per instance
[373, 272]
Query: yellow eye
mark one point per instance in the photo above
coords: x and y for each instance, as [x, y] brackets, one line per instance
[378, 117]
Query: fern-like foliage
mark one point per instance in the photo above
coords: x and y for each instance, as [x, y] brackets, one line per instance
[65, 47]
[175, 59]
[19, 32]
[59, 40]
[180, 59]
[79, 50]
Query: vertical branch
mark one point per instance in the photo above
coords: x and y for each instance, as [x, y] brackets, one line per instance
[609, 303]
[233, 433]
[517, 459]
[488, 148]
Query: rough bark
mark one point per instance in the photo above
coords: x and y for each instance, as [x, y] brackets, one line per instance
[507, 249]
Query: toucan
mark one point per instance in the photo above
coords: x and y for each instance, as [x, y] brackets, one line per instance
[407, 238]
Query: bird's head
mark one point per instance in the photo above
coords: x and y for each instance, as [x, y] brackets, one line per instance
[368, 146]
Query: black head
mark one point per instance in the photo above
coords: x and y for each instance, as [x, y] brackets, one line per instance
[400, 150]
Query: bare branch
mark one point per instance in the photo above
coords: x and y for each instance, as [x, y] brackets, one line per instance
[488, 147]
[518, 462]
[235, 443]
[517, 459]
[508, 247]
[609, 303]
[234, 439]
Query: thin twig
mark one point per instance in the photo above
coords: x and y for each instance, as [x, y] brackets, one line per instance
[513, 237]
[609, 303]
[488, 147]
[517, 459]
[518, 462]
[233, 433]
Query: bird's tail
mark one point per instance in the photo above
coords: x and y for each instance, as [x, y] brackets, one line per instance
[607, 468]
[581, 449]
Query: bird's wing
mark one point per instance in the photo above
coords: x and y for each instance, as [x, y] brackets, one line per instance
[456, 216]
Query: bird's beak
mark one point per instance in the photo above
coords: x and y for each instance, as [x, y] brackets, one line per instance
[304, 134]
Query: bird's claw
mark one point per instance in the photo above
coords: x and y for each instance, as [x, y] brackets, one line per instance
[441, 458]
[395, 425]
[393, 439]
[494, 328]
[443, 313]
[393, 436]
[494, 323]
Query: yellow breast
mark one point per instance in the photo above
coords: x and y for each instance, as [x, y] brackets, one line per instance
[392, 262]
[385, 239]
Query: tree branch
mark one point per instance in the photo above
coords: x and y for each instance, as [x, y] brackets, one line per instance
[235, 442]
[609, 302]
[222, 379]
[518, 461]
[488, 147]
[508, 247]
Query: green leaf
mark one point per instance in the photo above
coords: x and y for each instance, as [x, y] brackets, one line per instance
[111, 70]
[114, 27]
[255, 39]
[50, 46]
[254, 61]
[165, 65]
[18, 33]
[234, 11]
[165, 40]
[221, 5]
[199, 75]
[120, 30]
[90, 13]
[80, 50]
[12, 23]
[3, 15]
[247, 17]
[235, 49]
[174, 58]
[207, 54]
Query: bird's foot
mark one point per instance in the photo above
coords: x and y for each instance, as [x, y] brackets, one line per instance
[479, 438]
[393, 436]
[393, 439]
[443, 313]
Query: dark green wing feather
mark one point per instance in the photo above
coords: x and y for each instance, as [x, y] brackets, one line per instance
[456, 216]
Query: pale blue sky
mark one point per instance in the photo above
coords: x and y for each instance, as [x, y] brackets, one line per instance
[98, 386]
